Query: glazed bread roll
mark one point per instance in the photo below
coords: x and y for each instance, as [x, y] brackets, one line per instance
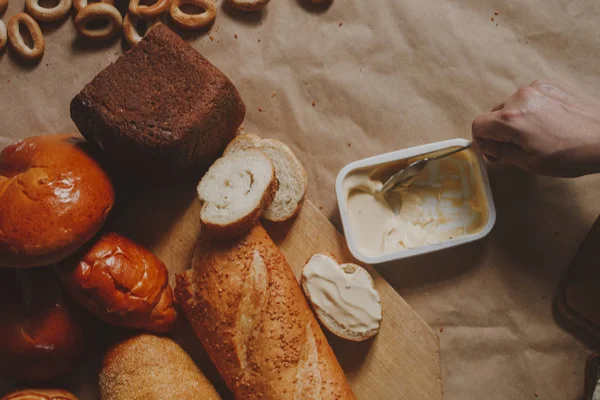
[53, 198]
[41, 330]
[148, 367]
[40, 394]
[248, 310]
[122, 283]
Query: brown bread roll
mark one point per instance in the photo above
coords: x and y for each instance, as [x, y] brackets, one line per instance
[53, 198]
[148, 367]
[249, 312]
[122, 283]
[41, 330]
[40, 394]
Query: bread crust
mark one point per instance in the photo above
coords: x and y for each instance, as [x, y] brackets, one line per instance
[249, 313]
[40, 394]
[161, 109]
[122, 283]
[54, 197]
[148, 367]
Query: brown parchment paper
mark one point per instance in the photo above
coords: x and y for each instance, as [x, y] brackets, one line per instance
[364, 77]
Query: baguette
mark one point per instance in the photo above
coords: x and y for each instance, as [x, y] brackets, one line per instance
[248, 311]
[148, 367]
[236, 191]
[291, 175]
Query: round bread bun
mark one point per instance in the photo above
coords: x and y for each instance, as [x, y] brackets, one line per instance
[42, 331]
[54, 197]
[40, 394]
[148, 367]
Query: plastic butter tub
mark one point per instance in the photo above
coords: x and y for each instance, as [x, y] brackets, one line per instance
[449, 203]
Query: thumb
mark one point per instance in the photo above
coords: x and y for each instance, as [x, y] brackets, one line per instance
[507, 153]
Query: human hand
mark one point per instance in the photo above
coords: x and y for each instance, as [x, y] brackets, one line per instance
[546, 128]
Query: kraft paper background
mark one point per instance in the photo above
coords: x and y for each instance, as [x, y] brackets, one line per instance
[385, 75]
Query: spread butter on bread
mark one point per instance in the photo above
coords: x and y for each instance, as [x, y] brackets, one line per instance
[291, 175]
[343, 297]
[236, 191]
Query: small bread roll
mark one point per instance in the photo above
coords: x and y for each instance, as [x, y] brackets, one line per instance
[122, 283]
[290, 173]
[236, 191]
[41, 330]
[54, 197]
[40, 394]
[148, 367]
[343, 297]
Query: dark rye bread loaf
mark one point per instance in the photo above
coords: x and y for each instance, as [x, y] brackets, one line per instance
[160, 108]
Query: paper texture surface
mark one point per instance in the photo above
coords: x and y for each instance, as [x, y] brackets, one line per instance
[366, 77]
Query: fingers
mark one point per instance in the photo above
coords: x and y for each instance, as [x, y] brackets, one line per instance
[498, 106]
[507, 153]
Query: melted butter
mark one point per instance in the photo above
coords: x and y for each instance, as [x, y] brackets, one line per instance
[349, 299]
[445, 201]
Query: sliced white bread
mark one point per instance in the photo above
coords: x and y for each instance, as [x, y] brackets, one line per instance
[236, 191]
[343, 297]
[291, 175]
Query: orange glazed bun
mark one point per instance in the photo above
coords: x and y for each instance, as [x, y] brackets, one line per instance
[54, 197]
[42, 332]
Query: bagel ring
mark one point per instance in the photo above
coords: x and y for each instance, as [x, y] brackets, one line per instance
[193, 21]
[130, 31]
[248, 5]
[80, 4]
[148, 12]
[3, 6]
[16, 40]
[44, 14]
[3, 38]
[96, 11]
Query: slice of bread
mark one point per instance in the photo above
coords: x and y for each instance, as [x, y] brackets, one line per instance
[340, 277]
[291, 175]
[236, 191]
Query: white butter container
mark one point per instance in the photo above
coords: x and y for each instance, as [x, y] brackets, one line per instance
[383, 159]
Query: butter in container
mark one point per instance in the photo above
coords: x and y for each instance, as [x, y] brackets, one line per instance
[448, 204]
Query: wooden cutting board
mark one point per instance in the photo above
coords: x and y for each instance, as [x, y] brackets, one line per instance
[401, 363]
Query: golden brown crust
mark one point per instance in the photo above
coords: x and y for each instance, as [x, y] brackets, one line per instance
[40, 394]
[130, 28]
[122, 283]
[53, 198]
[16, 40]
[42, 332]
[148, 367]
[99, 12]
[193, 21]
[243, 225]
[44, 14]
[148, 12]
[81, 4]
[3, 6]
[246, 5]
[247, 309]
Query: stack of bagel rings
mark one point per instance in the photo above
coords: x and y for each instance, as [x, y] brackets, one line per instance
[105, 10]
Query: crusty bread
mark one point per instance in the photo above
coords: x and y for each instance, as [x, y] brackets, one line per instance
[40, 394]
[291, 175]
[359, 276]
[148, 367]
[161, 109]
[248, 5]
[54, 197]
[236, 191]
[247, 309]
[122, 283]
